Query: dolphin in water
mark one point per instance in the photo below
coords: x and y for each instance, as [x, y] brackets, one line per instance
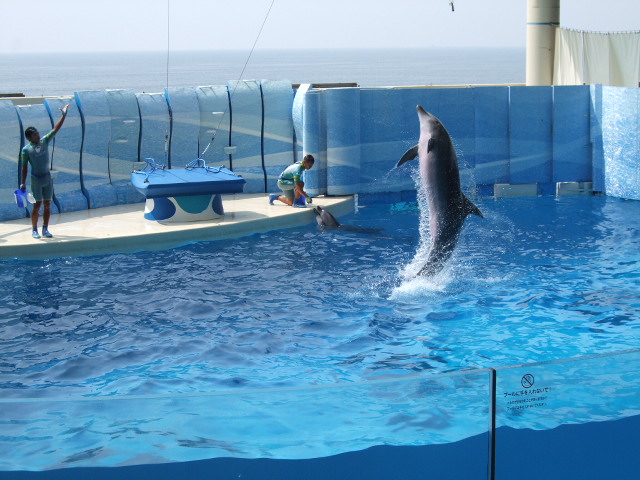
[324, 217]
[326, 220]
[448, 206]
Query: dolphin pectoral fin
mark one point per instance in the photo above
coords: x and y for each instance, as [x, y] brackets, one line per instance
[408, 155]
[468, 207]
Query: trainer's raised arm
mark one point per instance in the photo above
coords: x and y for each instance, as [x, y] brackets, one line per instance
[64, 111]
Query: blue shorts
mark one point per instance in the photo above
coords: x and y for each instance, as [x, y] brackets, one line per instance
[287, 188]
[42, 187]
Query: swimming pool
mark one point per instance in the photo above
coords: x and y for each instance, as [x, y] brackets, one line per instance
[538, 279]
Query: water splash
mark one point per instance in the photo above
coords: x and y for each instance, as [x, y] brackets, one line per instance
[410, 271]
[418, 288]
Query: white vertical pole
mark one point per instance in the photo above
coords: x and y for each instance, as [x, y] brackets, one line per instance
[543, 18]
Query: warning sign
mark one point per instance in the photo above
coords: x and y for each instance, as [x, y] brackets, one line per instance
[527, 397]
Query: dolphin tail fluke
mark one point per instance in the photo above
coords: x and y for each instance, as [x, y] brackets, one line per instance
[468, 207]
[408, 155]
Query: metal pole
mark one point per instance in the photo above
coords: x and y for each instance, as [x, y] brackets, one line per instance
[543, 18]
[491, 464]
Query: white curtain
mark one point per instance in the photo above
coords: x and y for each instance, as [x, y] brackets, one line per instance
[591, 57]
[624, 59]
[596, 54]
[569, 60]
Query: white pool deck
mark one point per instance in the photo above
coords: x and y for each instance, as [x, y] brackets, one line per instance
[124, 229]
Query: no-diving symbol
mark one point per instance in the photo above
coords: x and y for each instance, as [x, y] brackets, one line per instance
[527, 381]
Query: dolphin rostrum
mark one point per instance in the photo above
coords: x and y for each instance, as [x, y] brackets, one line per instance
[448, 206]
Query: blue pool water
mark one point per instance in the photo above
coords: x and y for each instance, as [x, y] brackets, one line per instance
[537, 279]
[568, 452]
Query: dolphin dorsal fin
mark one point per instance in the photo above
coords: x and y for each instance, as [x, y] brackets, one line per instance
[408, 155]
[468, 207]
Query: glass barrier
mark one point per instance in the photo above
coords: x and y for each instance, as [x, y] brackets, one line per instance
[576, 418]
[393, 428]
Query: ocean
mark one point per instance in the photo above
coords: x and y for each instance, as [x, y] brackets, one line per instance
[64, 73]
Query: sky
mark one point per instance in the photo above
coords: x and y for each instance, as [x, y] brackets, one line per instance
[161, 25]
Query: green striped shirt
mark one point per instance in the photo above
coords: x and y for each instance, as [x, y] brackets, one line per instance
[37, 154]
[292, 174]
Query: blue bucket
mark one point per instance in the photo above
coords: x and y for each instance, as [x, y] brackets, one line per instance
[21, 198]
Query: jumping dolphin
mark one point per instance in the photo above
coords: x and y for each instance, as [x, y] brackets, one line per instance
[448, 206]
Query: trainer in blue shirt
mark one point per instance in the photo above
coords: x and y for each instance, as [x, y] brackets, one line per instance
[291, 184]
[36, 153]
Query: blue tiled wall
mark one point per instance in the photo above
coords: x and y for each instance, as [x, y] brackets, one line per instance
[595, 134]
[185, 125]
[516, 135]
[277, 138]
[571, 142]
[123, 143]
[457, 112]
[343, 140]
[530, 141]
[215, 119]
[34, 116]
[386, 133]
[620, 141]
[65, 156]
[155, 127]
[492, 135]
[246, 133]
[513, 135]
[297, 114]
[314, 134]
[94, 156]
[10, 143]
